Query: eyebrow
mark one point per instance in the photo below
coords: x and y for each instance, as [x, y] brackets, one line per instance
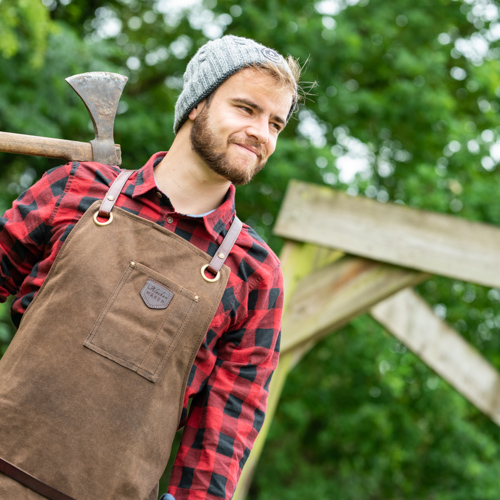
[257, 108]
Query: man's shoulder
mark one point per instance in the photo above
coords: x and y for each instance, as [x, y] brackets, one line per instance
[95, 171]
[88, 170]
[78, 184]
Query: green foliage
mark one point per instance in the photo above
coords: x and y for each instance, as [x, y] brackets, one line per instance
[401, 95]
[367, 420]
[24, 25]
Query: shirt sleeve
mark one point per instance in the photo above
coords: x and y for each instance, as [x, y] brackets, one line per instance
[25, 230]
[225, 418]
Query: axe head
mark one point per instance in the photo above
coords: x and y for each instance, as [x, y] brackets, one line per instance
[100, 92]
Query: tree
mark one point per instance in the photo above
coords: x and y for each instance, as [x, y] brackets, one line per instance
[404, 111]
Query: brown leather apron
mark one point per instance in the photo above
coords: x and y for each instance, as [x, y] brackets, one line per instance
[92, 385]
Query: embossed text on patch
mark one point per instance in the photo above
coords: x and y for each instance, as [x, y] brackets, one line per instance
[156, 296]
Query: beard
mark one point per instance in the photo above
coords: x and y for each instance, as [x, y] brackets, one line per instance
[206, 144]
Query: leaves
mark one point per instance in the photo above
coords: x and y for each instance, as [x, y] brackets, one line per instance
[24, 24]
[405, 111]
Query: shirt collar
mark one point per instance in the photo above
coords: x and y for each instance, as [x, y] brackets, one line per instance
[215, 223]
[145, 180]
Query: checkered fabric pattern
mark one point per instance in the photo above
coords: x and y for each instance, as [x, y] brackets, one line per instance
[229, 381]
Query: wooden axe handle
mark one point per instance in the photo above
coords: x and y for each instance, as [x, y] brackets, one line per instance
[48, 147]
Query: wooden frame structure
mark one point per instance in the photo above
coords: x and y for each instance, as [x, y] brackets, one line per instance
[345, 256]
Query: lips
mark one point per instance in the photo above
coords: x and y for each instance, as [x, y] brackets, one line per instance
[252, 149]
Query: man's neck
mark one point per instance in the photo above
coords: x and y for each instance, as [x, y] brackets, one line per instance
[188, 182]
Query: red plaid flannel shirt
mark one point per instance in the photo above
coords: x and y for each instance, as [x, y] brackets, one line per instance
[230, 377]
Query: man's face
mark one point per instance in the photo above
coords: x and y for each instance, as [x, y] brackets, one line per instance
[236, 131]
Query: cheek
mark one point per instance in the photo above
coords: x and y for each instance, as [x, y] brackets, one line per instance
[271, 145]
[229, 126]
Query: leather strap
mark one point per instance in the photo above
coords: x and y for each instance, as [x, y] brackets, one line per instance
[222, 253]
[225, 249]
[31, 482]
[114, 191]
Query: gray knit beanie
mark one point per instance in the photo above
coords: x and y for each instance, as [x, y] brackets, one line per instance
[214, 63]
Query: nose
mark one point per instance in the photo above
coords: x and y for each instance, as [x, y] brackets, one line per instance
[259, 130]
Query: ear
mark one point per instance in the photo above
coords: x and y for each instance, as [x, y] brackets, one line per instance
[196, 110]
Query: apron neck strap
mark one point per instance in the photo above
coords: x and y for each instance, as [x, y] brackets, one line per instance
[114, 191]
[223, 251]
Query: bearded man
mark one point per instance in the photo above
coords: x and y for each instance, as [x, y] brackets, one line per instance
[151, 306]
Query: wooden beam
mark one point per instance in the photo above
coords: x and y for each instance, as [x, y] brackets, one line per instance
[426, 241]
[328, 298]
[413, 322]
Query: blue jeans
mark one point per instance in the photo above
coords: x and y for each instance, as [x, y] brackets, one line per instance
[167, 496]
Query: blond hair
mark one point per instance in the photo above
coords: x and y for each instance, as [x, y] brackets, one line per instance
[286, 77]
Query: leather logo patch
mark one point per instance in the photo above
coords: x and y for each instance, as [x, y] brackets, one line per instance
[156, 296]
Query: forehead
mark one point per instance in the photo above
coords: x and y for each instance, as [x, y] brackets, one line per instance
[260, 87]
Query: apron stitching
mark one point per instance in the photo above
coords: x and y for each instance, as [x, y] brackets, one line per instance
[165, 280]
[194, 352]
[173, 343]
[103, 314]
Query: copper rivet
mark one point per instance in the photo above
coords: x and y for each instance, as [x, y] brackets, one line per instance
[132, 263]
[111, 198]
[221, 255]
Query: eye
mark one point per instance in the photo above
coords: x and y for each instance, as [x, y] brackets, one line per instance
[246, 109]
[276, 126]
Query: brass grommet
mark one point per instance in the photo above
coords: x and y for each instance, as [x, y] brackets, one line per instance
[210, 280]
[109, 221]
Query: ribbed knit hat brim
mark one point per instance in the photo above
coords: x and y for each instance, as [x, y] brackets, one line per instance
[214, 63]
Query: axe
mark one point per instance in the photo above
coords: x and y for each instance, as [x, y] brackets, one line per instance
[100, 92]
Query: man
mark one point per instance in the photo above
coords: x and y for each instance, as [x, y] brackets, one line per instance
[136, 330]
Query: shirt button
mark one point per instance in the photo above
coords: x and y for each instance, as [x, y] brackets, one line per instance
[170, 219]
[158, 194]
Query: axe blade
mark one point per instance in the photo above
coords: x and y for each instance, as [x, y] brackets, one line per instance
[100, 92]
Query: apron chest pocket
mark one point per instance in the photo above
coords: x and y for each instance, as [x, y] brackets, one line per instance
[142, 321]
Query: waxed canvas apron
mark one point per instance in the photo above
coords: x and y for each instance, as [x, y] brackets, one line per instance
[92, 385]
